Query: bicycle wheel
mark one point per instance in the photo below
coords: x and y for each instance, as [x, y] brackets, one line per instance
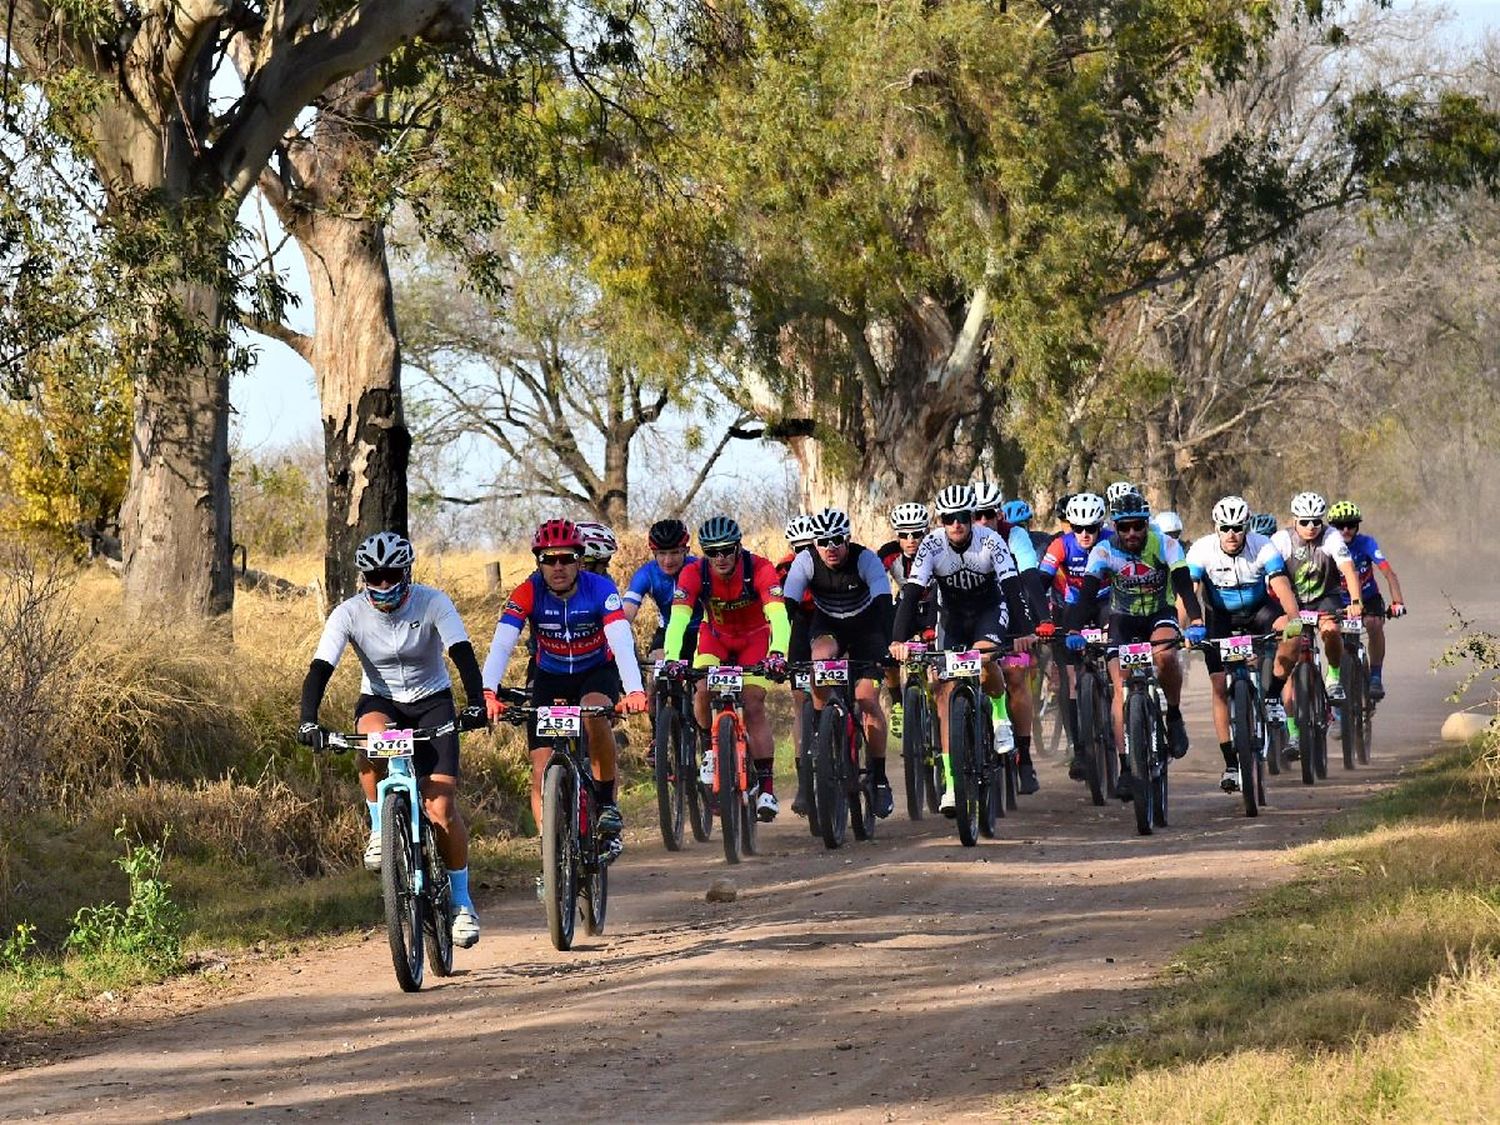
[403, 906]
[1159, 785]
[596, 897]
[1320, 724]
[832, 799]
[671, 785]
[966, 793]
[559, 848]
[731, 809]
[913, 748]
[1242, 733]
[1304, 699]
[700, 806]
[932, 757]
[991, 782]
[1352, 715]
[1091, 720]
[438, 930]
[1012, 770]
[1138, 739]
[807, 768]
[1367, 734]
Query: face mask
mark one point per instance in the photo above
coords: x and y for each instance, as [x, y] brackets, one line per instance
[388, 601]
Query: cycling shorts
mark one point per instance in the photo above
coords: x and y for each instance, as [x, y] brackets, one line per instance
[1130, 628]
[865, 636]
[1222, 625]
[961, 629]
[570, 688]
[1328, 603]
[689, 642]
[1374, 605]
[742, 649]
[434, 756]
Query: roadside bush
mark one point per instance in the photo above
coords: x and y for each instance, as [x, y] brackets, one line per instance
[147, 930]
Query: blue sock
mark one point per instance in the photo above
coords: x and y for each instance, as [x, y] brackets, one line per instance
[459, 882]
[374, 807]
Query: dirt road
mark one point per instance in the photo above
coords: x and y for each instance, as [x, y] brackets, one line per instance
[900, 979]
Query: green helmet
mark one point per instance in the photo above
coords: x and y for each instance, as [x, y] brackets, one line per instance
[1345, 511]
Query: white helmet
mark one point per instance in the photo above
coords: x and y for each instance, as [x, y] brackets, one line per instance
[1232, 510]
[1086, 509]
[910, 517]
[954, 498]
[599, 542]
[1118, 489]
[384, 549]
[1169, 523]
[987, 495]
[831, 521]
[800, 530]
[1309, 506]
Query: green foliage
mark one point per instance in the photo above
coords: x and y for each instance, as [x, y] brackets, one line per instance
[149, 928]
[16, 950]
[278, 503]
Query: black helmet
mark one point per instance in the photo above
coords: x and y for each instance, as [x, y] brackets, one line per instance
[1060, 509]
[667, 535]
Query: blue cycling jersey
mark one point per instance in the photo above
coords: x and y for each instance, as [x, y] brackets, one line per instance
[1234, 584]
[569, 631]
[1367, 556]
[650, 580]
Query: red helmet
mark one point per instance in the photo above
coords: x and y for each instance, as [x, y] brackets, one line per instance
[556, 535]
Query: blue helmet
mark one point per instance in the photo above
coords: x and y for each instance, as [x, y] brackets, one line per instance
[1017, 511]
[1129, 505]
[719, 531]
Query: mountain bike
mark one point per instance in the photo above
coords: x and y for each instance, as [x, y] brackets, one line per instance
[413, 879]
[921, 753]
[575, 858]
[1096, 729]
[680, 794]
[843, 786]
[1265, 655]
[807, 791]
[1146, 733]
[1247, 724]
[1310, 699]
[736, 786]
[977, 784]
[1357, 710]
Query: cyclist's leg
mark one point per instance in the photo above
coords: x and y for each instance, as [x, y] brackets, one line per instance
[436, 766]
[1375, 633]
[371, 714]
[1168, 671]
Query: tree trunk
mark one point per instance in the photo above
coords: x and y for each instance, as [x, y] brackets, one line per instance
[356, 360]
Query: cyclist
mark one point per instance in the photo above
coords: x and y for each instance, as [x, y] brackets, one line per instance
[599, 546]
[1148, 571]
[1015, 706]
[744, 623]
[1018, 513]
[1169, 524]
[657, 579]
[1316, 557]
[1240, 572]
[1064, 565]
[399, 630]
[1368, 558]
[584, 656]
[910, 522]
[1060, 512]
[1263, 523]
[799, 537]
[1116, 490]
[980, 601]
[851, 617]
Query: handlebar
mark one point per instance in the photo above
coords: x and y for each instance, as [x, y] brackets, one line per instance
[339, 741]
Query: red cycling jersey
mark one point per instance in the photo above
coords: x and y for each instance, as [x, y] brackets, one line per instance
[732, 606]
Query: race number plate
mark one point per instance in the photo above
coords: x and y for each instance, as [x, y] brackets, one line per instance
[1135, 656]
[1237, 648]
[829, 673]
[558, 722]
[1092, 636]
[916, 648]
[657, 667]
[1308, 616]
[726, 677]
[801, 681]
[957, 665]
[1352, 625]
[389, 744]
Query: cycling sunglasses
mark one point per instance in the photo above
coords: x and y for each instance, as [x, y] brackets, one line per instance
[831, 541]
[956, 517]
[986, 513]
[1346, 526]
[1126, 527]
[1309, 523]
[1088, 529]
[721, 552]
[911, 535]
[1232, 528]
[567, 558]
[384, 576]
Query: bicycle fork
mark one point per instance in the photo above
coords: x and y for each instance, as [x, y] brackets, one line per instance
[399, 778]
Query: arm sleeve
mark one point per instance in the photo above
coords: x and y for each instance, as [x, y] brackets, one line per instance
[1022, 549]
[906, 612]
[640, 584]
[1078, 613]
[799, 575]
[781, 626]
[1051, 562]
[462, 655]
[1182, 583]
[506, 636]
[872, 570]
[314, 684]
[1034, 586]
[684, 598]
[1014, 590]
[622, 644]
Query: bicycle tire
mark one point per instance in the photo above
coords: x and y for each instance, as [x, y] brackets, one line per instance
[1357, 702]
[936, 777]
[1138, 739]
[1242, 731]
[913, 751]
[861, 787]
[403, 906]
[1368, 734]
[596, 898]
[1303, 701]
[731, 810]
[991, 782]
[593, 875]
[1012, 773]
[1320, 742]
[438, 931]
[671, 786]
[807, 767]
[961, 731]
[699, 800]
[1091, 737]
[559, 884]
[832, 799]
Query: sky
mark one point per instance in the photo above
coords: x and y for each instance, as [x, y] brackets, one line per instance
[276, 404]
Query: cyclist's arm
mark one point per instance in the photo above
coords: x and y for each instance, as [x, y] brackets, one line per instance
[462, 655]
[907, 610]
[1022, 549]
[872, 570]
[1182, 585]
[516, 613]
[330, 647]
[1383, 564]
[798, 575]
[1023, 619]
[1281, 586]
[781, 626]
[677, 627]
[635, 593]
[1078, 612]
[622, 644]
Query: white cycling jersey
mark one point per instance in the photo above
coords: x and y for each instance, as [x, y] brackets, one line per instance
[401, 653]
[967, 577]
